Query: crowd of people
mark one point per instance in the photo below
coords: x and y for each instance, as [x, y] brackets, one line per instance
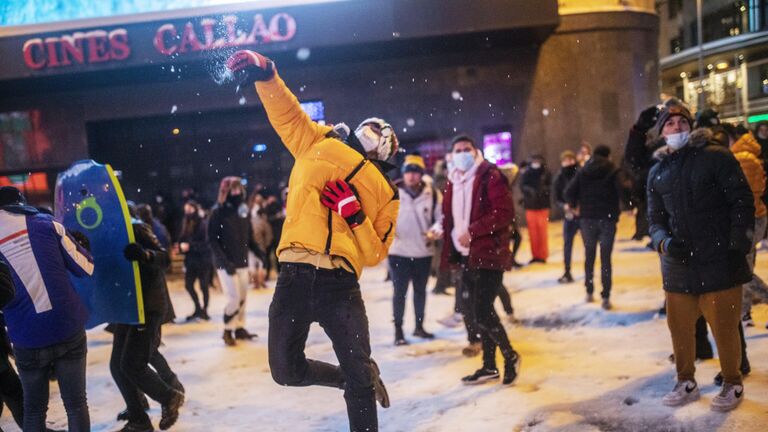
[697, 186]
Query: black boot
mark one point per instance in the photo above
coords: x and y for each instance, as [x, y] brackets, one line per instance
[134, 426]
[420, 332]
[400, 337]
[123, 415]
[243, 334]
[382, 396]
[229, 339]
[566, 278]
[170, 410]
[511, 369]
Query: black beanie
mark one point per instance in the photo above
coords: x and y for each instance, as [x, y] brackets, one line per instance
[673, 107]
[10, 195]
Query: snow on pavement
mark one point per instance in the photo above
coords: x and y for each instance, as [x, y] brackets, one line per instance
[583, 369]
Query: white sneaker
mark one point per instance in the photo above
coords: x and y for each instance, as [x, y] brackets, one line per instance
[729, 398]
[452, 320]
[684, 392]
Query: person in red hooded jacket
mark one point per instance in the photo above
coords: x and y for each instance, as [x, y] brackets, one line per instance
[477, 209]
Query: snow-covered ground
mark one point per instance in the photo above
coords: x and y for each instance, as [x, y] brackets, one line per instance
[583, 369]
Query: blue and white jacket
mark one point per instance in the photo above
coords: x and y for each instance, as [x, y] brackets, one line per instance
[46, 309]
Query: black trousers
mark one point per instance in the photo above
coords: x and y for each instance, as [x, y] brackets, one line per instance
[132, 350]
[11, 393]
[480, 288]
[198, 270]
[303, 295]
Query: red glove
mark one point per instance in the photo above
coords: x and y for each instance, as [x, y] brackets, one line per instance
[249, 66]
[339, 197]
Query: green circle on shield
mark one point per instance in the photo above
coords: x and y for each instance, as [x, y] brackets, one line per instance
[89, 203]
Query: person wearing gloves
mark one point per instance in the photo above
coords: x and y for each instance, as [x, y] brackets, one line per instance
[134, 345]
[477, 210]
[230, 237]
[410, 256]
[46, 318]
[701, 215]
[340, 217]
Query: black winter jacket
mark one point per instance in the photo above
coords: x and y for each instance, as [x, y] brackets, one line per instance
[230, 236]
[638, 157]
[699, 196]
[595, 190]
[199, 248]
[7, 291]
[563, 177]
[535, 185]
[152, 271]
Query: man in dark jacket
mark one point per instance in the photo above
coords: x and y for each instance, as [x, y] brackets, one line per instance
[477, 209]
[11, 393]
[568, 169]
[230, 236]
[536, 184]
[701, 214]
[134, 345]
[594, 195]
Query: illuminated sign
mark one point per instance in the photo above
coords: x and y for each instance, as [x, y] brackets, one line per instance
[170, 40]
[97, 46]
[315, 110]
[497, 148]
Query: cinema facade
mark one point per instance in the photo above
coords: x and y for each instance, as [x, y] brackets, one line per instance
[148, 93]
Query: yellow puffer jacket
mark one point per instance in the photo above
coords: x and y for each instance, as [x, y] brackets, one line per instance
[320, 159]
[747, 152]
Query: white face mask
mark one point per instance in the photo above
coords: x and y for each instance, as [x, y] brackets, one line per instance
[368, 138]
[535, 165]
[677, 141]
[463, 161]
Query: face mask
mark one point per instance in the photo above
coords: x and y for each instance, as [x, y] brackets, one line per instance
[235, 200]
[535, 165]
[677, 141]
[463, 161]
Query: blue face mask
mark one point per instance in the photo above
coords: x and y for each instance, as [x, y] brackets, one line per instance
[463, 161]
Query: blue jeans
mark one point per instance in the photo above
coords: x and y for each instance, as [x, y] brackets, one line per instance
[594, 231]
[570, 228]
[404, 271]
[68, 361]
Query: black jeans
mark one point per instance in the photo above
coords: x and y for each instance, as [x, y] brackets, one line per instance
[68, 361]
[132, 350]
[506, 300]
[481, 287]
[570, 228]
[11, 393]
[197, 270]
[594, 231]
[303, 295]
[404, 271]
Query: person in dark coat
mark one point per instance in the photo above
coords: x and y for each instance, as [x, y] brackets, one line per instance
[568, 169]
[193, 243]
[230, 236]
[476, 236]
[701, 214]
[536, 185]
[11, 393]
[594, 194]
[638, 157]
[135, 345]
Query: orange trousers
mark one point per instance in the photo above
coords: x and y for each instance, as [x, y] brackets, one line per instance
[537, 230]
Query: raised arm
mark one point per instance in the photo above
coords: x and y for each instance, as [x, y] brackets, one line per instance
[297, 131]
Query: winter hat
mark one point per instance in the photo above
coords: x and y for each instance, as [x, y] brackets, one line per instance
[413, 163]
[602, 151]
[568, 154]
[672, 107]
[707, 118]
[378, 136]
[10, 195]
